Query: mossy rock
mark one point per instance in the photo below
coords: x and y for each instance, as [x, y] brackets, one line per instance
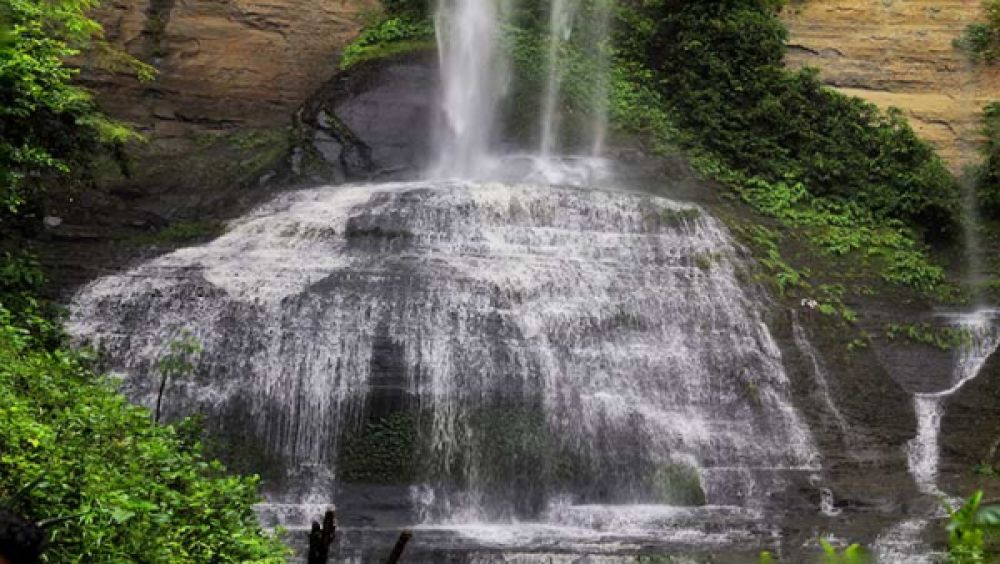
[381, 452]
[678, 484]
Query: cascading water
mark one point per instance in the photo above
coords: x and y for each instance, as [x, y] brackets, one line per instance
[586, 314]
[582, 359]
[923, 452]
[903, 543]
[819, 373]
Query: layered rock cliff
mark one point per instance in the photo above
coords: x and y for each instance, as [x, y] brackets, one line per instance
[900, 53]
[224, 63]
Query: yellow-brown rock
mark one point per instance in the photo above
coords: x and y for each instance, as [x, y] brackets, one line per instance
[900, 53]
[223, 63]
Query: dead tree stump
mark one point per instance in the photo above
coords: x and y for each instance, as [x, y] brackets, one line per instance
[321, 539]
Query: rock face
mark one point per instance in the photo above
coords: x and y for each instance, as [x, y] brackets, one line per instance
[900, 53]
[372, 123]
[225, 63]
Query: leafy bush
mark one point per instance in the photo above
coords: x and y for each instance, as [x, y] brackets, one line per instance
[135, 491]
[719, 66]
[48, 125]
[410, 8]
[988, 174]
[393, 35]
[982, 40]
[968, 527]
[21, 284]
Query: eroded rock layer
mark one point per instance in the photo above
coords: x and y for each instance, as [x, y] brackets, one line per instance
[900, 53]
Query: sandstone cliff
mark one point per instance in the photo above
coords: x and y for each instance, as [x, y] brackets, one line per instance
[223, 63]
[900, 53]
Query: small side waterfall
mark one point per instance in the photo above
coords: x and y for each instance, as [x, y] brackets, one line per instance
[923, 452]
[819, 373]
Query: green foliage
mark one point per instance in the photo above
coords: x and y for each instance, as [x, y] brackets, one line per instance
[382, 452]
[137, 492]
[719, 67]
[852, 554]
[987, 176]
[838, 228]
[968, 529]
[21, 283]
[409, 8]
[981, 40]
[944, 338]
[388, 37]
[48, 125]
[176, 363]
[180, 233]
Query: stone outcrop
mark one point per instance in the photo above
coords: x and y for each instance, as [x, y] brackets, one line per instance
[223, 63]
[900, 53]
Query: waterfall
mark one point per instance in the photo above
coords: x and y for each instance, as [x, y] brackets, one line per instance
[600, 34]
[474, 77]
[564, 18]
[923, 451]
[581, 328]
[561, 15]
[572, 357]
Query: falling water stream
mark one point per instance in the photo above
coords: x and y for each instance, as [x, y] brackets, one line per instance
[583, 365]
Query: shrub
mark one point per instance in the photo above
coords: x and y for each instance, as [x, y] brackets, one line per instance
[390, 36]
[135, 491]
[719, 66]
[981, 40]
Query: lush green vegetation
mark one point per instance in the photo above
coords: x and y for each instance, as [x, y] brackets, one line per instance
[982, 40]
[131, 490]
[970, 528]
[49, 127]
[392, 35]
[138, 492]
[720, 68]
[987, 176]
[857, 195]
[135, 491]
